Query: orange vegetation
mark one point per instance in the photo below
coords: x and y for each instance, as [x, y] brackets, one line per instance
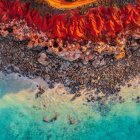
[101, 23]
[63, 4]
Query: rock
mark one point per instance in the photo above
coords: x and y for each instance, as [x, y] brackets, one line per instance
[137, 99]
[138, 41]
[100, 95]
[43, 55]
[40, 92]
[121, 100]
[37, 49]
[71, 120]
[45, 119]
[42, 59]
[96, 63]
[129, 85]
[54, 118]
[75, 96]
[102, 62]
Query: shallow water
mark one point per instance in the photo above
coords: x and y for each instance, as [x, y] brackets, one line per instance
[21, 116]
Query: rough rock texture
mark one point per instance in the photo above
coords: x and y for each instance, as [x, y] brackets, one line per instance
[102, 74]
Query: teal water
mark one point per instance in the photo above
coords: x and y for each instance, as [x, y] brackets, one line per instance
[21, 119]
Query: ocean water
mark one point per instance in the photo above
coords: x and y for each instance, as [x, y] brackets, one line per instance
[21, 116]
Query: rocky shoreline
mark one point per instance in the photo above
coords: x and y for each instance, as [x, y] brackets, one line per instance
[103, 74]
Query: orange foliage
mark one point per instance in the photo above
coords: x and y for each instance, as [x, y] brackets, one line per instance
[63, 4]
[97, 23]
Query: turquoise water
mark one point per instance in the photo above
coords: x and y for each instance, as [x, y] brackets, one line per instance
[20, 119]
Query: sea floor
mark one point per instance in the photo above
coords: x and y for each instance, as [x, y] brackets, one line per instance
[21, 115]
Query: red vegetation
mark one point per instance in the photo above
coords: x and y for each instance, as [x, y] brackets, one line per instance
[99, 23]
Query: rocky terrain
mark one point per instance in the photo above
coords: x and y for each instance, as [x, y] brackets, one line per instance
[103, 73]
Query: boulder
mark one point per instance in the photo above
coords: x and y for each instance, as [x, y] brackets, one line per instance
[45, 119]
[71, 120]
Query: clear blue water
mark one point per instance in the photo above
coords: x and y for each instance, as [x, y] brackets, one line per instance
[19, 120]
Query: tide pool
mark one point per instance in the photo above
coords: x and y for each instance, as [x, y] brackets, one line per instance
[21, 115]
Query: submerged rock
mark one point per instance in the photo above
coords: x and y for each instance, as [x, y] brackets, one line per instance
[75, 96]
[45, 119]
[52, 119]
[40, 92]
[71, 120]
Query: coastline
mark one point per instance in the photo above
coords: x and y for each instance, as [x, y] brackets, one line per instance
[69, 74]
[56, 98]
[55, 116]
[28, 114]
[102, 75]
